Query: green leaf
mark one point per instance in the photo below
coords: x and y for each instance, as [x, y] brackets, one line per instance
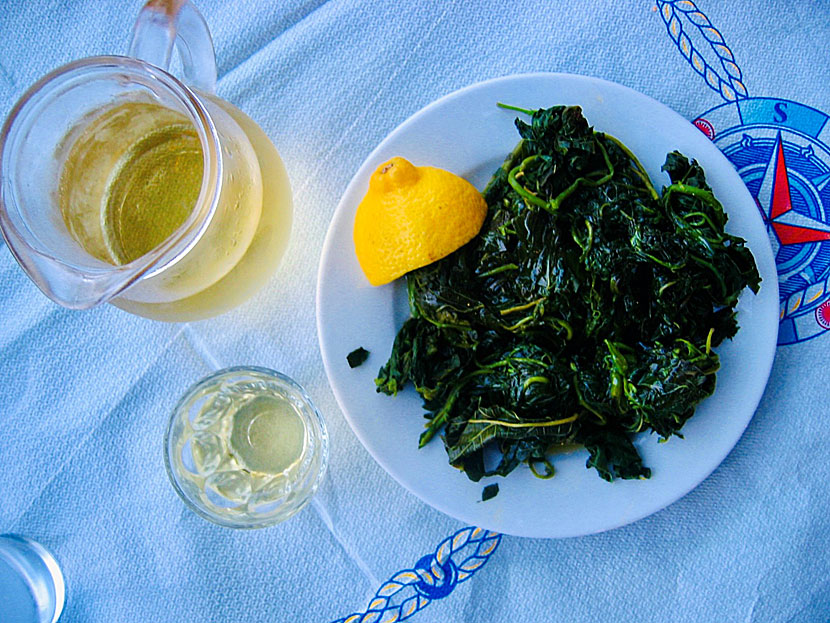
[489, 492]
[357, 357]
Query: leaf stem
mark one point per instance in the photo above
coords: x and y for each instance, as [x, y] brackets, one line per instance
[549, 471]
[535, 379]
[640, 170]
[510, 310]
[498, 269]
[584, 403]
[569, 332]
[554, 203]
[506, 166]
[540, 424]
[526, 111]
[441, 416]
[524, 193]
[704, 195]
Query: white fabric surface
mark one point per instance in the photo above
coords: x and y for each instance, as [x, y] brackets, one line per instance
[86, 395]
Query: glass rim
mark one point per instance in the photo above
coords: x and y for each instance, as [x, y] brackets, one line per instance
[266, 520]
[176, 246]
[45, 558]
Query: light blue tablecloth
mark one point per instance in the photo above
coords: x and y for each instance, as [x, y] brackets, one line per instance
[85, 395]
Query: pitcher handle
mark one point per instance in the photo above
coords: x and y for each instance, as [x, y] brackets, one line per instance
[162, 22]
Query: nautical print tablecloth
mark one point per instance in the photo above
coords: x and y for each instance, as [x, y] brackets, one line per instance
[85, 395]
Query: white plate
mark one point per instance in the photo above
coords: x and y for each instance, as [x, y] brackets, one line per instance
[466, 133]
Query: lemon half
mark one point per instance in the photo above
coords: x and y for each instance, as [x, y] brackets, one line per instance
[413, 216]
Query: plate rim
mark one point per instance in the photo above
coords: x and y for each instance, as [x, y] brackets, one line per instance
[768, 350]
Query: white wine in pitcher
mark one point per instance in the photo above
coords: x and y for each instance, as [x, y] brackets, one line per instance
[132, 176]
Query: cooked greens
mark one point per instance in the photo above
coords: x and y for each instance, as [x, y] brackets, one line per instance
[489, 492]
[587, 308]
[357, 357]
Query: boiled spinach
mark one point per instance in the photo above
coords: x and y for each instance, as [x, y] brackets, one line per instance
[586, 310]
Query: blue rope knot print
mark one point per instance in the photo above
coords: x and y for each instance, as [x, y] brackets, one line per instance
[433, 577]
[445, 577]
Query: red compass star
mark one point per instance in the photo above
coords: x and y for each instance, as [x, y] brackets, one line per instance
[775, 202]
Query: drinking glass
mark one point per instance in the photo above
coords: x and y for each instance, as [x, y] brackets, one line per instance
[31, 583]
[246, 447]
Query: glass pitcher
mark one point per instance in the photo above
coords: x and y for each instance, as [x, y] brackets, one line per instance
[120, 183]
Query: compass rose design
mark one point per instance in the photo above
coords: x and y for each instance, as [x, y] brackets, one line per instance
[780, 148]
[786, 225]
[786, 169]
